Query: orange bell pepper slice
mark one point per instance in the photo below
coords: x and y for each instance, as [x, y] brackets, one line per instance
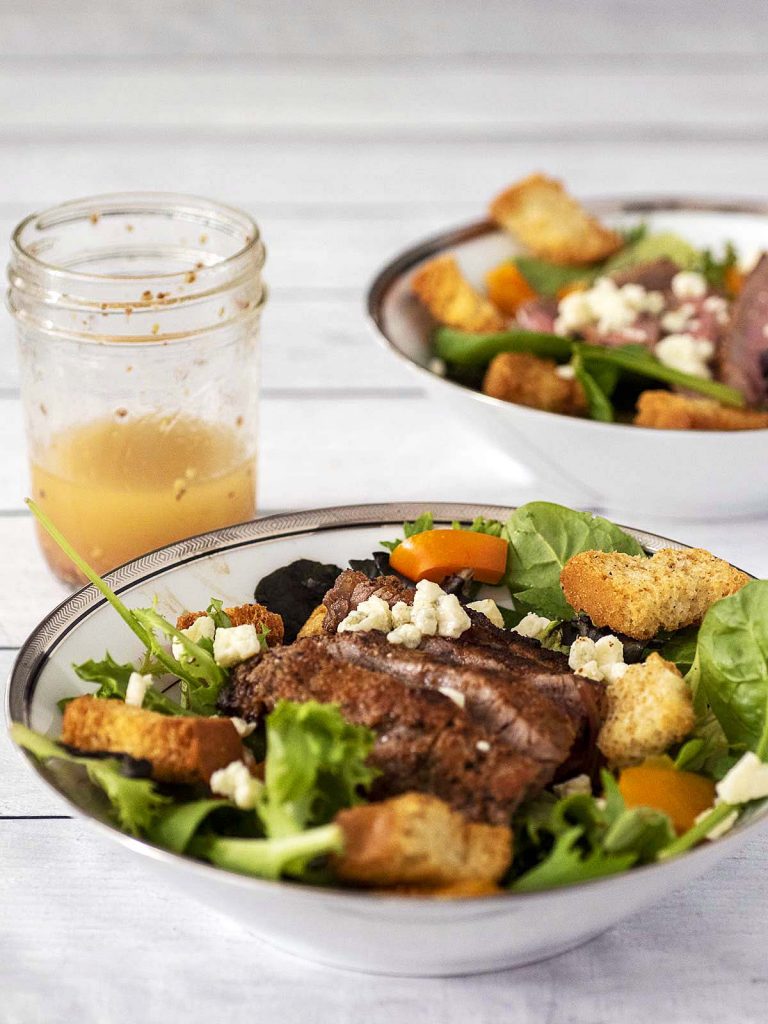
[435, 554]
[681, 795]
[507, 288]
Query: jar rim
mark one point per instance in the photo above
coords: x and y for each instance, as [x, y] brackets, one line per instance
[145, 202]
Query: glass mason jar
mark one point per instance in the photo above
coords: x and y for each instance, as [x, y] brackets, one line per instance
[138, 321]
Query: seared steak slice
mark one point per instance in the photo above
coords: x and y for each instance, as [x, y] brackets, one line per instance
[424, 742]
[512, 710]
[654, 276]
[744, 352]
[351, 588]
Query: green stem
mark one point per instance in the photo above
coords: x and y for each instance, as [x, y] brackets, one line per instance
[648, 366]
[698, 832]
[269, 858]
[463, 349]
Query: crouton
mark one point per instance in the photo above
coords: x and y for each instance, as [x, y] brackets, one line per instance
[314, 624]
[468, 889]
[650, 707]
[180, 748]
[639, 596]
[668, 411]
[528, 380]
[553, 225]
[418, 840]
[245, 614]
[451, 299]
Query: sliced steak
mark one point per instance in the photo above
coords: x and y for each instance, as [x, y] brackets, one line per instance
[654, 276]
[515, 712]
[424, 742]
[744, 351]
[537, 315]
[352, 588]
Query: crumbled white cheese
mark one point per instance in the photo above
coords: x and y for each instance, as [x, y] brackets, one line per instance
[456, 696]
[428, 592]
[452, 620]
[602, 662]
[716, 304]
[565, 372]
[137, 687]
[689, 285]
[578, 784]
[243, 728]
[747, 780]
[720, 829]
[437, 366]
[490, 610]
[401, 614]
[237, 784]
[202, 628]
[483, 746]
[371, 614]
[607, 306]
[424, 618]
[533, 625]
[233, 644]
[675, 321]
[406, 635]
[685, 353]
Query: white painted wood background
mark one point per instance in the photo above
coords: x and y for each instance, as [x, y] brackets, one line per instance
[350, 129]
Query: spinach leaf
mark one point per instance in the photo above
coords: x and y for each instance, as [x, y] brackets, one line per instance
[112, 679]
[461, 349]
[731, 668]
[679, 647]
[550, 278]
[315, 766]
[600, 407]
[542, 537]
[136, 803]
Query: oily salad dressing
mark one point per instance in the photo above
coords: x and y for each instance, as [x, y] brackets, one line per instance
[400, 726]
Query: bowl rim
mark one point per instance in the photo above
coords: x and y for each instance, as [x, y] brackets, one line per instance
[69, 613]
[405, 261]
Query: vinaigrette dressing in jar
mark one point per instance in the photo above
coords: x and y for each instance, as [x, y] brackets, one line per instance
[138, 319]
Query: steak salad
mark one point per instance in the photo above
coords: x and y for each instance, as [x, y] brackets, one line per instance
[473, 709]
[588, 321]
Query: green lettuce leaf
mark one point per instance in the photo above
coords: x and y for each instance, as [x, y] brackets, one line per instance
[542, 537]
[424, 522]
[136, 803]
[270, 858]
[175, 827]
[550, 278]
[112, 680]
[315, 766]
[567, 864]
[730, 672]
[216, 611]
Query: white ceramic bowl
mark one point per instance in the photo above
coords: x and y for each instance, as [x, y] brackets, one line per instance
[691, 474]
[355, 930]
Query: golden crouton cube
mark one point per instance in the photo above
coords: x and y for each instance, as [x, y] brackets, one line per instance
[665, 410]
[314, 624]
[451, 299]
[418, 840]
[245, 614]
[650, 707]
[553, 225]
[469, 889]
[181, 748]
[639, 596]
[528, 380]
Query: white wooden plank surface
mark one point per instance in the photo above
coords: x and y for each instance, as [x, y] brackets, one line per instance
[350, 130]
[100, 941]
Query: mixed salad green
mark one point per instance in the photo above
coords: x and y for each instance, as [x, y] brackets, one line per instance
[315, 762]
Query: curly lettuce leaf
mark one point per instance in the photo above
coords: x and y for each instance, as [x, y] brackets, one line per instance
[136, 803]
[112, 680]
[315, 766]
[542, 537]
[424, 522]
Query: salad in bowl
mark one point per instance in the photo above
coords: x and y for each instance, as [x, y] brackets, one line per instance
[478, 709]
